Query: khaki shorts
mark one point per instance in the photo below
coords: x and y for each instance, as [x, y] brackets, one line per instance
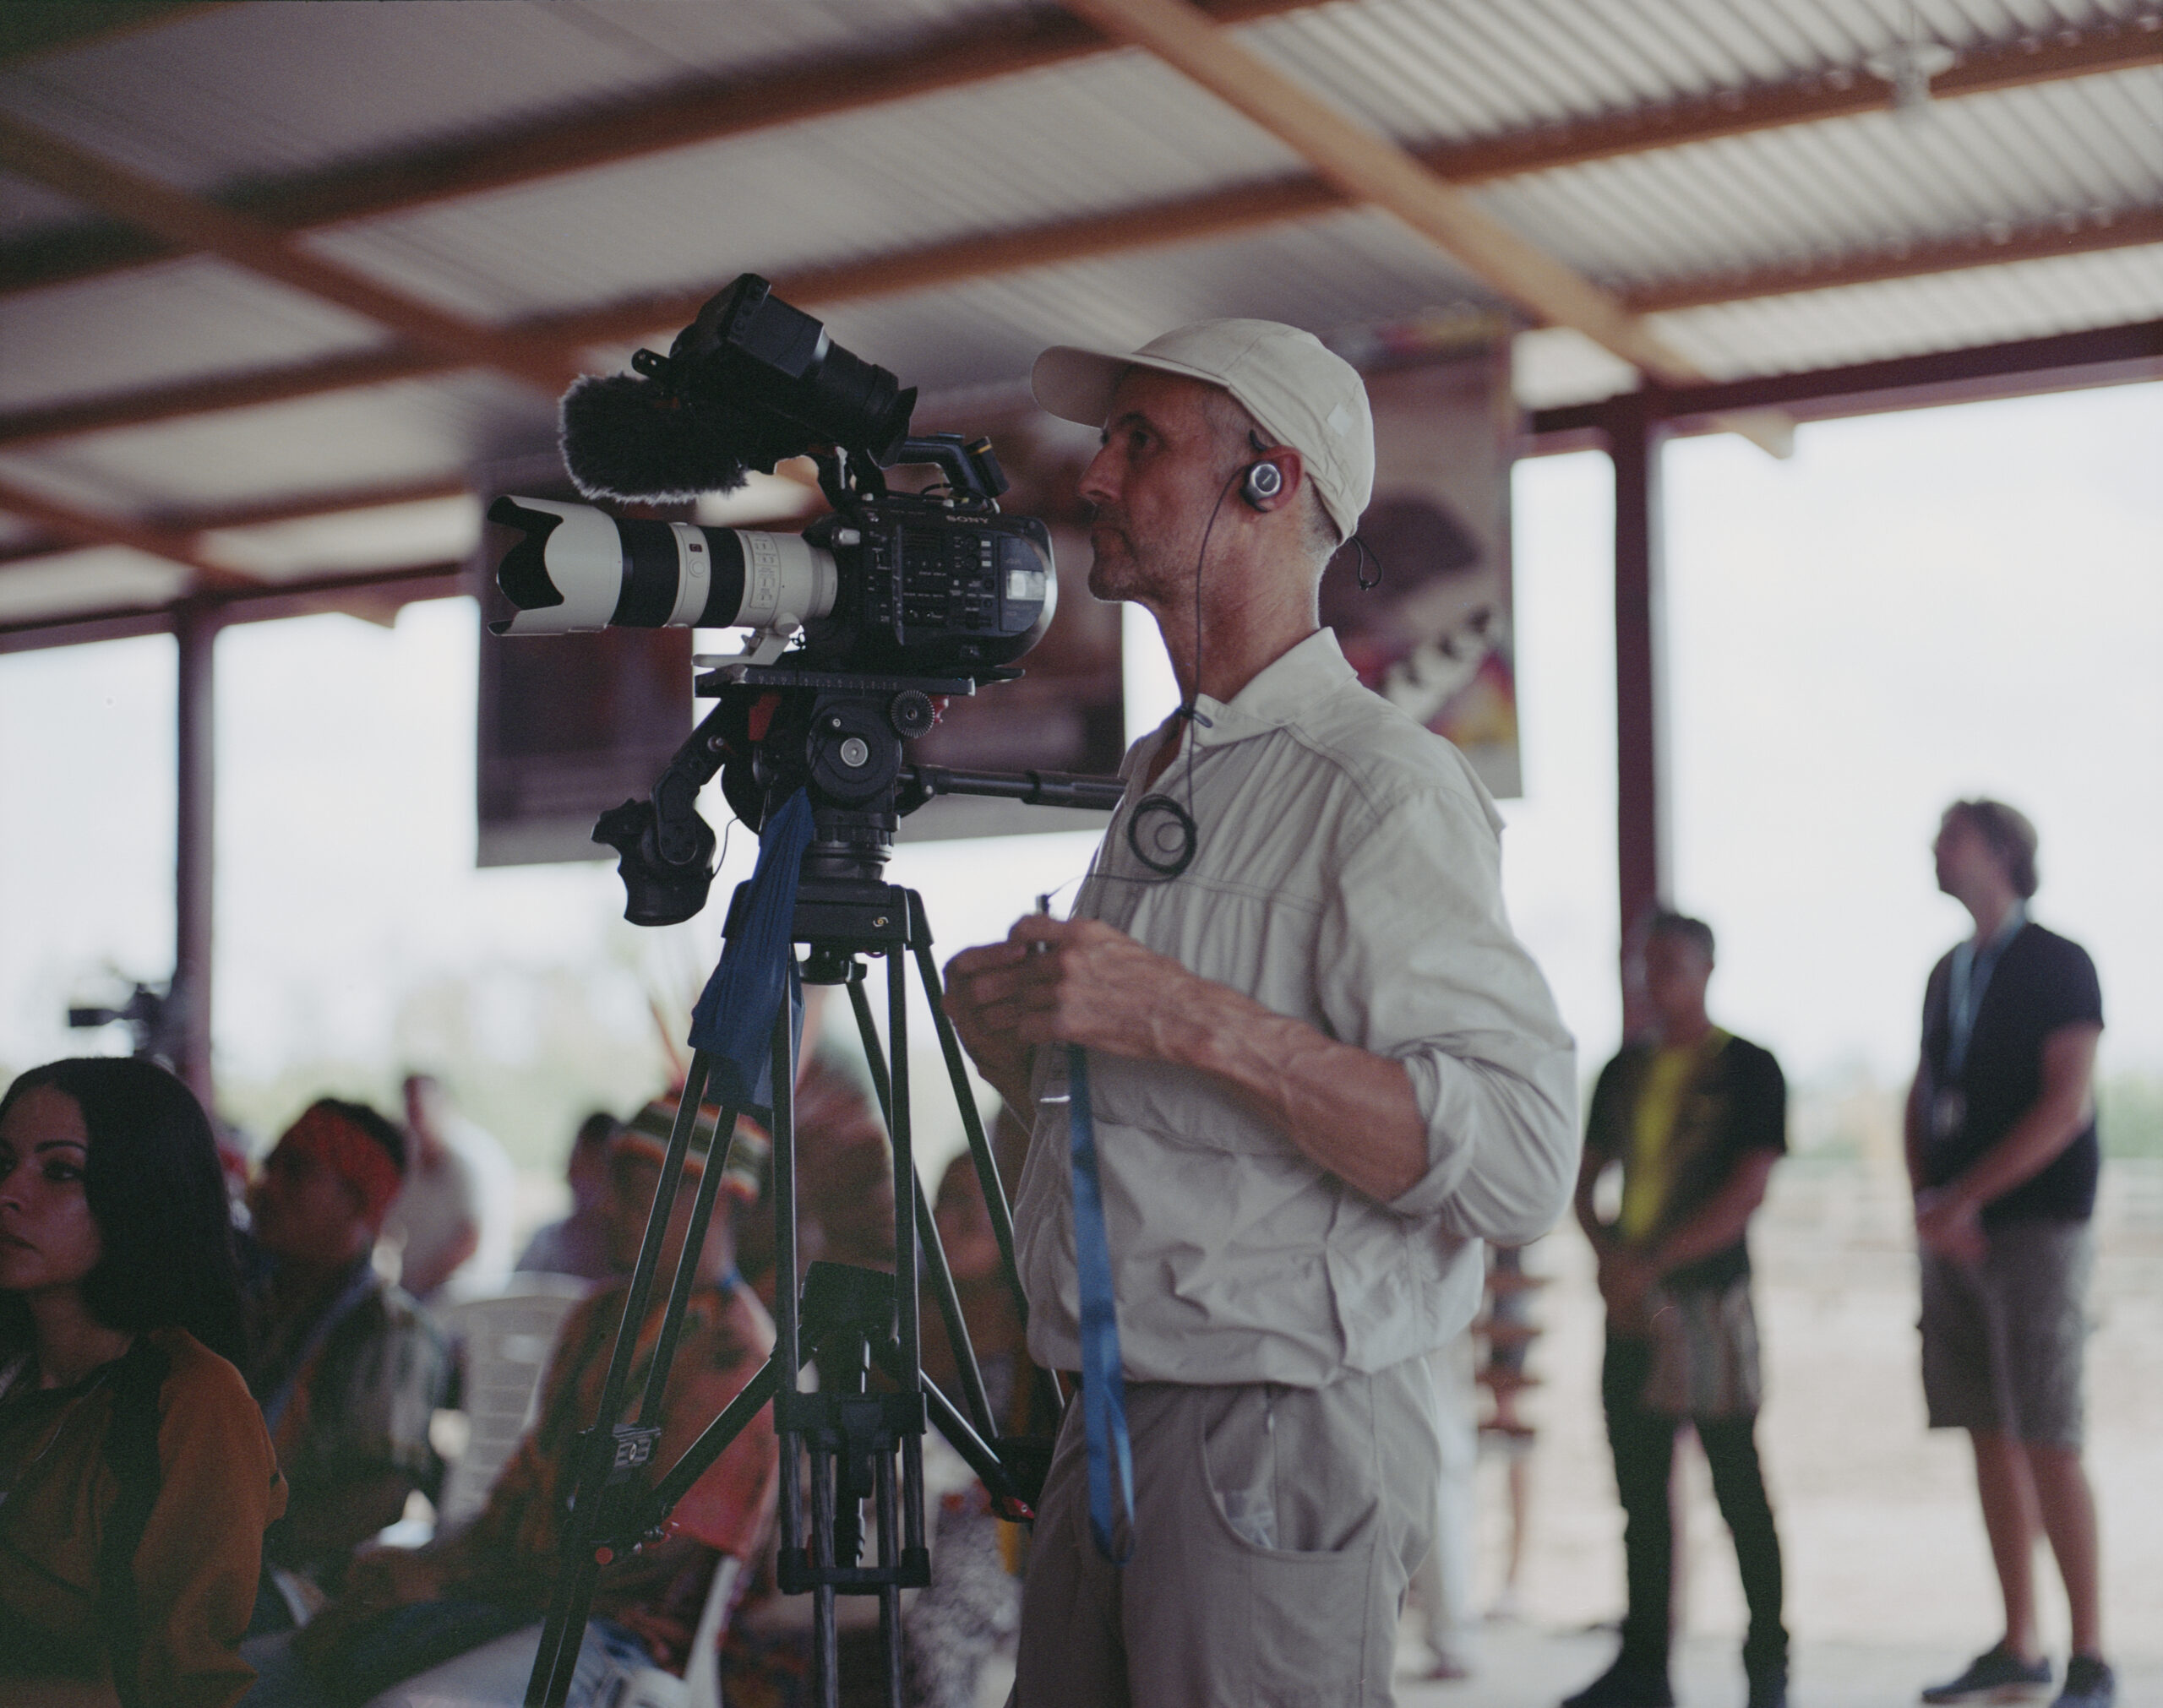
[1275, 1531]
[2004, 1339]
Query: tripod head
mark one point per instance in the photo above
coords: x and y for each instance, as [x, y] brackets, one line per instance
[841, 737]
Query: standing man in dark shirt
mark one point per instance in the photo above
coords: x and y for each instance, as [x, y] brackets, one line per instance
[2002, 1153]
[1696, 1117]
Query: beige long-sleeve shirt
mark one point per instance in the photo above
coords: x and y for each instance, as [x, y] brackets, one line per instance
[1349, 876]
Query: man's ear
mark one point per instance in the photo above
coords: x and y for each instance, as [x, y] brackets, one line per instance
[1265, 492]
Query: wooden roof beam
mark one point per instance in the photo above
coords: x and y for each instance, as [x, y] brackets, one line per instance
[703, 111]
[85, 529]
[196, 223]
[31, 33]
[2047, 239]
[1370, 168]
[958, 261]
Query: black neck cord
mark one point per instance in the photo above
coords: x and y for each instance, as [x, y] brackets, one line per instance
[1162, 806]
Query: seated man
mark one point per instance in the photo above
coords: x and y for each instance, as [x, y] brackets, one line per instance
[346, 1368]
[405, 1612]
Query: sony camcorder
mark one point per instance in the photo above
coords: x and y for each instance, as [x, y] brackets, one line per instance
[860, 627]
[936, 582]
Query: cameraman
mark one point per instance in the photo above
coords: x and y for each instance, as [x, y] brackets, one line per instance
[1323, 1067]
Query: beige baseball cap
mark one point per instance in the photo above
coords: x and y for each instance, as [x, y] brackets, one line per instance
[1301, 394]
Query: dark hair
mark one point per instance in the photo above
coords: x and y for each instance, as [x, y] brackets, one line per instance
[1682, 928]
[595, 1131]
[378, 1127]
[158, 1196]
[2010, 837]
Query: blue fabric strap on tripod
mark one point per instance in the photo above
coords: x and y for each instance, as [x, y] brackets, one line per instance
[733, 1022]
[1104, 1386]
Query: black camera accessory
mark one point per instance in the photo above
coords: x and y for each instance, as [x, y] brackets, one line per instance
[1261, 484]
[1162, 833]
[750, 382]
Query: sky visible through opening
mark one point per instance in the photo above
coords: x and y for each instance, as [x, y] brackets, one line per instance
[1914, 607]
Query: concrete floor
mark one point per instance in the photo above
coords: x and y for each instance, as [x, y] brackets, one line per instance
[1524, 1666]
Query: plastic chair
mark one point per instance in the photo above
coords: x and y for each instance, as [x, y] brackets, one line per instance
[506, 1342]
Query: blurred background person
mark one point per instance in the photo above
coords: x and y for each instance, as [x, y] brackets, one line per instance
[1696, 1117]
[1442, 1588]
[454, 1218]
[347, 1369]
[579, 1244]
[460, 1618]
[2004, 1157]
[137, 1473]
[973, 1605]
[1511, 1329]
[844, 1169]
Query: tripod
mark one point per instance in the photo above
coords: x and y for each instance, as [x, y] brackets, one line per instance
[847, 1443]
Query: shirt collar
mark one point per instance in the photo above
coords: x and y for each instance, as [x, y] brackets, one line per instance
[2007, 928]
[1281, 692]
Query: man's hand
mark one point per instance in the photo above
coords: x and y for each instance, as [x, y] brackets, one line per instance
[1950, 1224]
[1069, 982]
[379, 1579]
[1081, 981]
[1624, 1278]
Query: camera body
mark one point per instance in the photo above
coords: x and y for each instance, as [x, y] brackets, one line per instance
[930, 583]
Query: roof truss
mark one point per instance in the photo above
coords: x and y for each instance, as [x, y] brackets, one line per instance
[253, 226]
[1219, 213]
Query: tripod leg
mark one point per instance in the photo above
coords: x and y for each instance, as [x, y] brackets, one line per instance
[890, 1595]
[787, 1326]
[565, 1629]
[719, 1143]
[910, 1377]
[826, 1646]
[950, 1044]
[927, 1227]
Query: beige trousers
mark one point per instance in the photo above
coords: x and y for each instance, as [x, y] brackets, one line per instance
[1275, 1531]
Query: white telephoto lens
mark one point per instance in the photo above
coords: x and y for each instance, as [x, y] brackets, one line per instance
[584, 563]
[787, 582]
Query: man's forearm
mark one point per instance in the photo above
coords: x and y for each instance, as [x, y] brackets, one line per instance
[2051, 1122]
[1349, 1110]
[1723, 1219]
[1911, 1132]
[2034, 1144]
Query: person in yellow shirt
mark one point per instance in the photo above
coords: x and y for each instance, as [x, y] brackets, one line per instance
[1696, 1118]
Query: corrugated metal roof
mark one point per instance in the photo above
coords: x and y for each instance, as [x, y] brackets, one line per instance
[1107, 133]
[1432, 69]
[250, 93]
[1907, 317]
[108, 577]
[334, 443]
[1849, 184]
[245, 91]
[177, 320]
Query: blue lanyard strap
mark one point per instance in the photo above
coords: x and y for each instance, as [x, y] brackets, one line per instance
[1103, 1388]
[1970, 977]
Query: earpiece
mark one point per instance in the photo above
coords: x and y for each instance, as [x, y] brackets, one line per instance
[1263, 482]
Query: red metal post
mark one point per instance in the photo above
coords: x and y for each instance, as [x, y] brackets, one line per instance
[195, 632]
[1635, 434]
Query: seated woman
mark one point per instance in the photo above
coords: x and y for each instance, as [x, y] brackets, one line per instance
[136, 1480]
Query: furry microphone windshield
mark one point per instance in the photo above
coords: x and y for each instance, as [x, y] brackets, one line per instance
[635, 440]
